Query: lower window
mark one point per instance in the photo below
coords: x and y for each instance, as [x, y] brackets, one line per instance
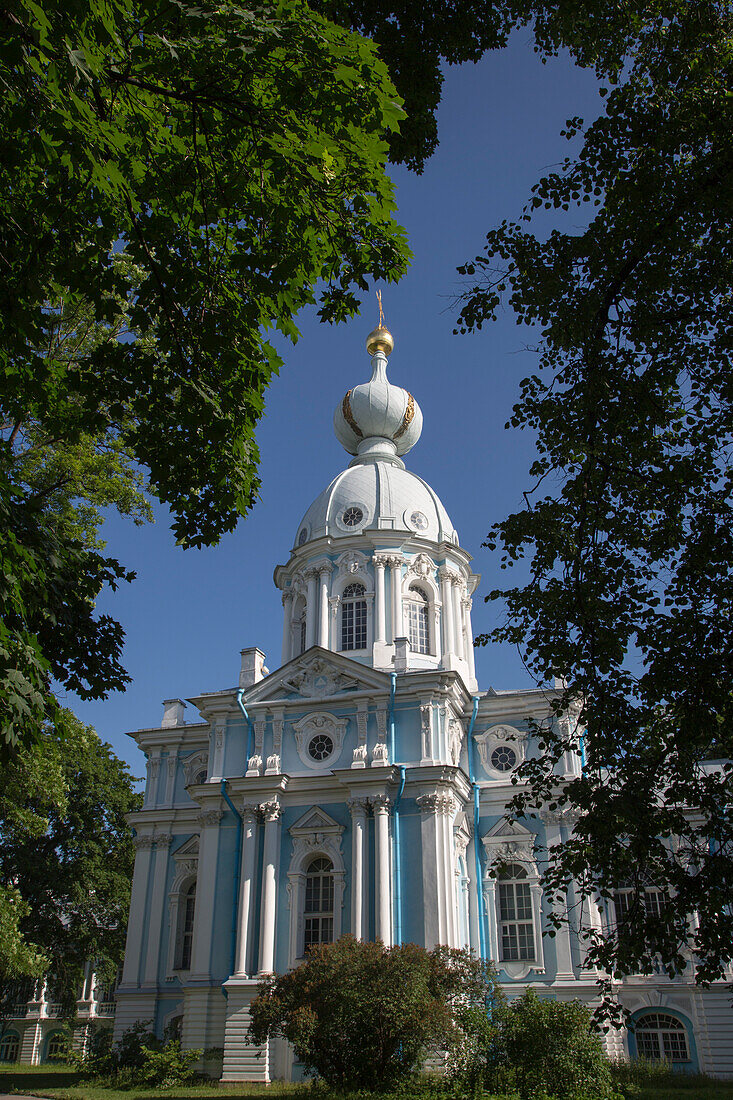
[516, 926]
[9, 1047]
[662, 1038]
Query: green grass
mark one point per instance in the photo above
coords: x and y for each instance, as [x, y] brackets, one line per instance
[62, 1083]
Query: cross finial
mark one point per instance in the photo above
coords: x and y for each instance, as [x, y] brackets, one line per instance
[381, 311]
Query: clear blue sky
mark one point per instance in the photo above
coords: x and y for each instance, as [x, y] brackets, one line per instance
[188, 614]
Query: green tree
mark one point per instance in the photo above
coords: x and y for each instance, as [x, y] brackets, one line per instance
[66, 850]
[362, 1015]
[236, 156]
[627, 534]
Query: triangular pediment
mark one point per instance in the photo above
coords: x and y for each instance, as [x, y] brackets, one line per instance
[314, 675]
[189, 850]
[509, 830]
[314, 820]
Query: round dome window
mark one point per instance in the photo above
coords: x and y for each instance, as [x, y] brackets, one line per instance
[419, 521]
[353, 516]
[302, 536]
[320, 747]
[503, 759]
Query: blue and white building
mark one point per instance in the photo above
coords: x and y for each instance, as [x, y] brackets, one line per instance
[362, 785]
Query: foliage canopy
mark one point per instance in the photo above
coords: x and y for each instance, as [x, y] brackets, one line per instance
[628, 530]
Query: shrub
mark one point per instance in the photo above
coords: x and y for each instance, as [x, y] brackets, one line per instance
[138, 1059]
[551, 1048]
[362, 1015]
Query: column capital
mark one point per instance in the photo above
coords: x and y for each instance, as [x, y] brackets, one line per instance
[358, 806]
[145, 841]
[210, 817]
[271, 810]
[380, 803]
[250, 811]
[446, 574]
[325, 567]
[163, 840]
[436, 802]
[379, 561]
[287, 595]
[394, 560]
[311, 574]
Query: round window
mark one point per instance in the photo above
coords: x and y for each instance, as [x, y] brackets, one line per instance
[503, 758]
[302, 536]
[320, 747]
[352, 516]
[419, 521]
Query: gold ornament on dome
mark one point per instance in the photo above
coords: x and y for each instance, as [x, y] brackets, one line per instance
[349, 416]
[380, 338]
[407, 418]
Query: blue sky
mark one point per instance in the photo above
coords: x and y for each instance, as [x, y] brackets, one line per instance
[188, 614]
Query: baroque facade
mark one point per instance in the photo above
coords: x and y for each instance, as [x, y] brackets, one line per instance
[362, 786]
[33, 1029]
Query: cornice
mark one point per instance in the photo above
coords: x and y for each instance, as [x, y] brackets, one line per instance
[192, 735]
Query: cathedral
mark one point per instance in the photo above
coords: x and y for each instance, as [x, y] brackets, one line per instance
[361, 787]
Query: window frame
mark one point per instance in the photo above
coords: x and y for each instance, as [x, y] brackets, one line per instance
[354, 606]
[417, 613]
[320, 917]
[507, 882]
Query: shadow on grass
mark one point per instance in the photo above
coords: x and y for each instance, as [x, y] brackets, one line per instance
[32, 1081]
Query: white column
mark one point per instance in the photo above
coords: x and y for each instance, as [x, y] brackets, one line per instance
[203, 920]
[380, 624]
[446, 589]
[270, 859]
[136, 921]
[310, 608]
[458, 617]
[396, 578]
[287, 626]
[382, 877]
[217, 749]
[470, 654]
[246, 890]
[561, 940]
[358, 807]
[436, 809]
[323, 586]
[155, 922]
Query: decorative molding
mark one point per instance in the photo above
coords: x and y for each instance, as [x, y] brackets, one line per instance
[380, 755]
[141, 842]
[426, 726]
[502, 734]
[455, 741]
[163, 840]
[380, 803]
[421, 566]
[351, 563]
[319, 679]
[436, 802]
[210, 817]
[192, 765]
[319, 722]
[358, 806]
[270, 810]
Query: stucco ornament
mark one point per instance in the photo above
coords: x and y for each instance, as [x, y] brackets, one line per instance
[314, 733]
[318, 679]
[511, 740]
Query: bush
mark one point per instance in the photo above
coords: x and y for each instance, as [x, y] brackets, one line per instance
[138, 1059]
[363, 1016]
[552, 1049]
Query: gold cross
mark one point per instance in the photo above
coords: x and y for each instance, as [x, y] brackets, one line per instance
[381, 311]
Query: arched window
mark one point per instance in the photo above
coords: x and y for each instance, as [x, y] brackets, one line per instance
[318, 910]
[10, 1047]
[57, 1046]
[418, 629]
[353, 617]
[516, 927]
[186, 928]
[661, 1037]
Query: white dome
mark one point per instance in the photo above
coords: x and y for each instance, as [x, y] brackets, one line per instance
[376, 411]
[376, 495]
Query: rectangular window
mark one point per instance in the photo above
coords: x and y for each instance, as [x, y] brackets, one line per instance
[354, 625]
[516, 924]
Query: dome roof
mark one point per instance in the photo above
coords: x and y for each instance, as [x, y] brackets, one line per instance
[378, 419]
[376, 495]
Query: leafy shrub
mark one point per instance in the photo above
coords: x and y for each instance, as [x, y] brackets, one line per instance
[362, 1015]
[552, 1049]
[138, 1059]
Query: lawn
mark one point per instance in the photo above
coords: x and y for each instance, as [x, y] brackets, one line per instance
[62, 1083]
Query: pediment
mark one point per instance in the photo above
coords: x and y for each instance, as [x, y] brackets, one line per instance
[509, 830]
[317, 674]
[189, 850]
[314, 820]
